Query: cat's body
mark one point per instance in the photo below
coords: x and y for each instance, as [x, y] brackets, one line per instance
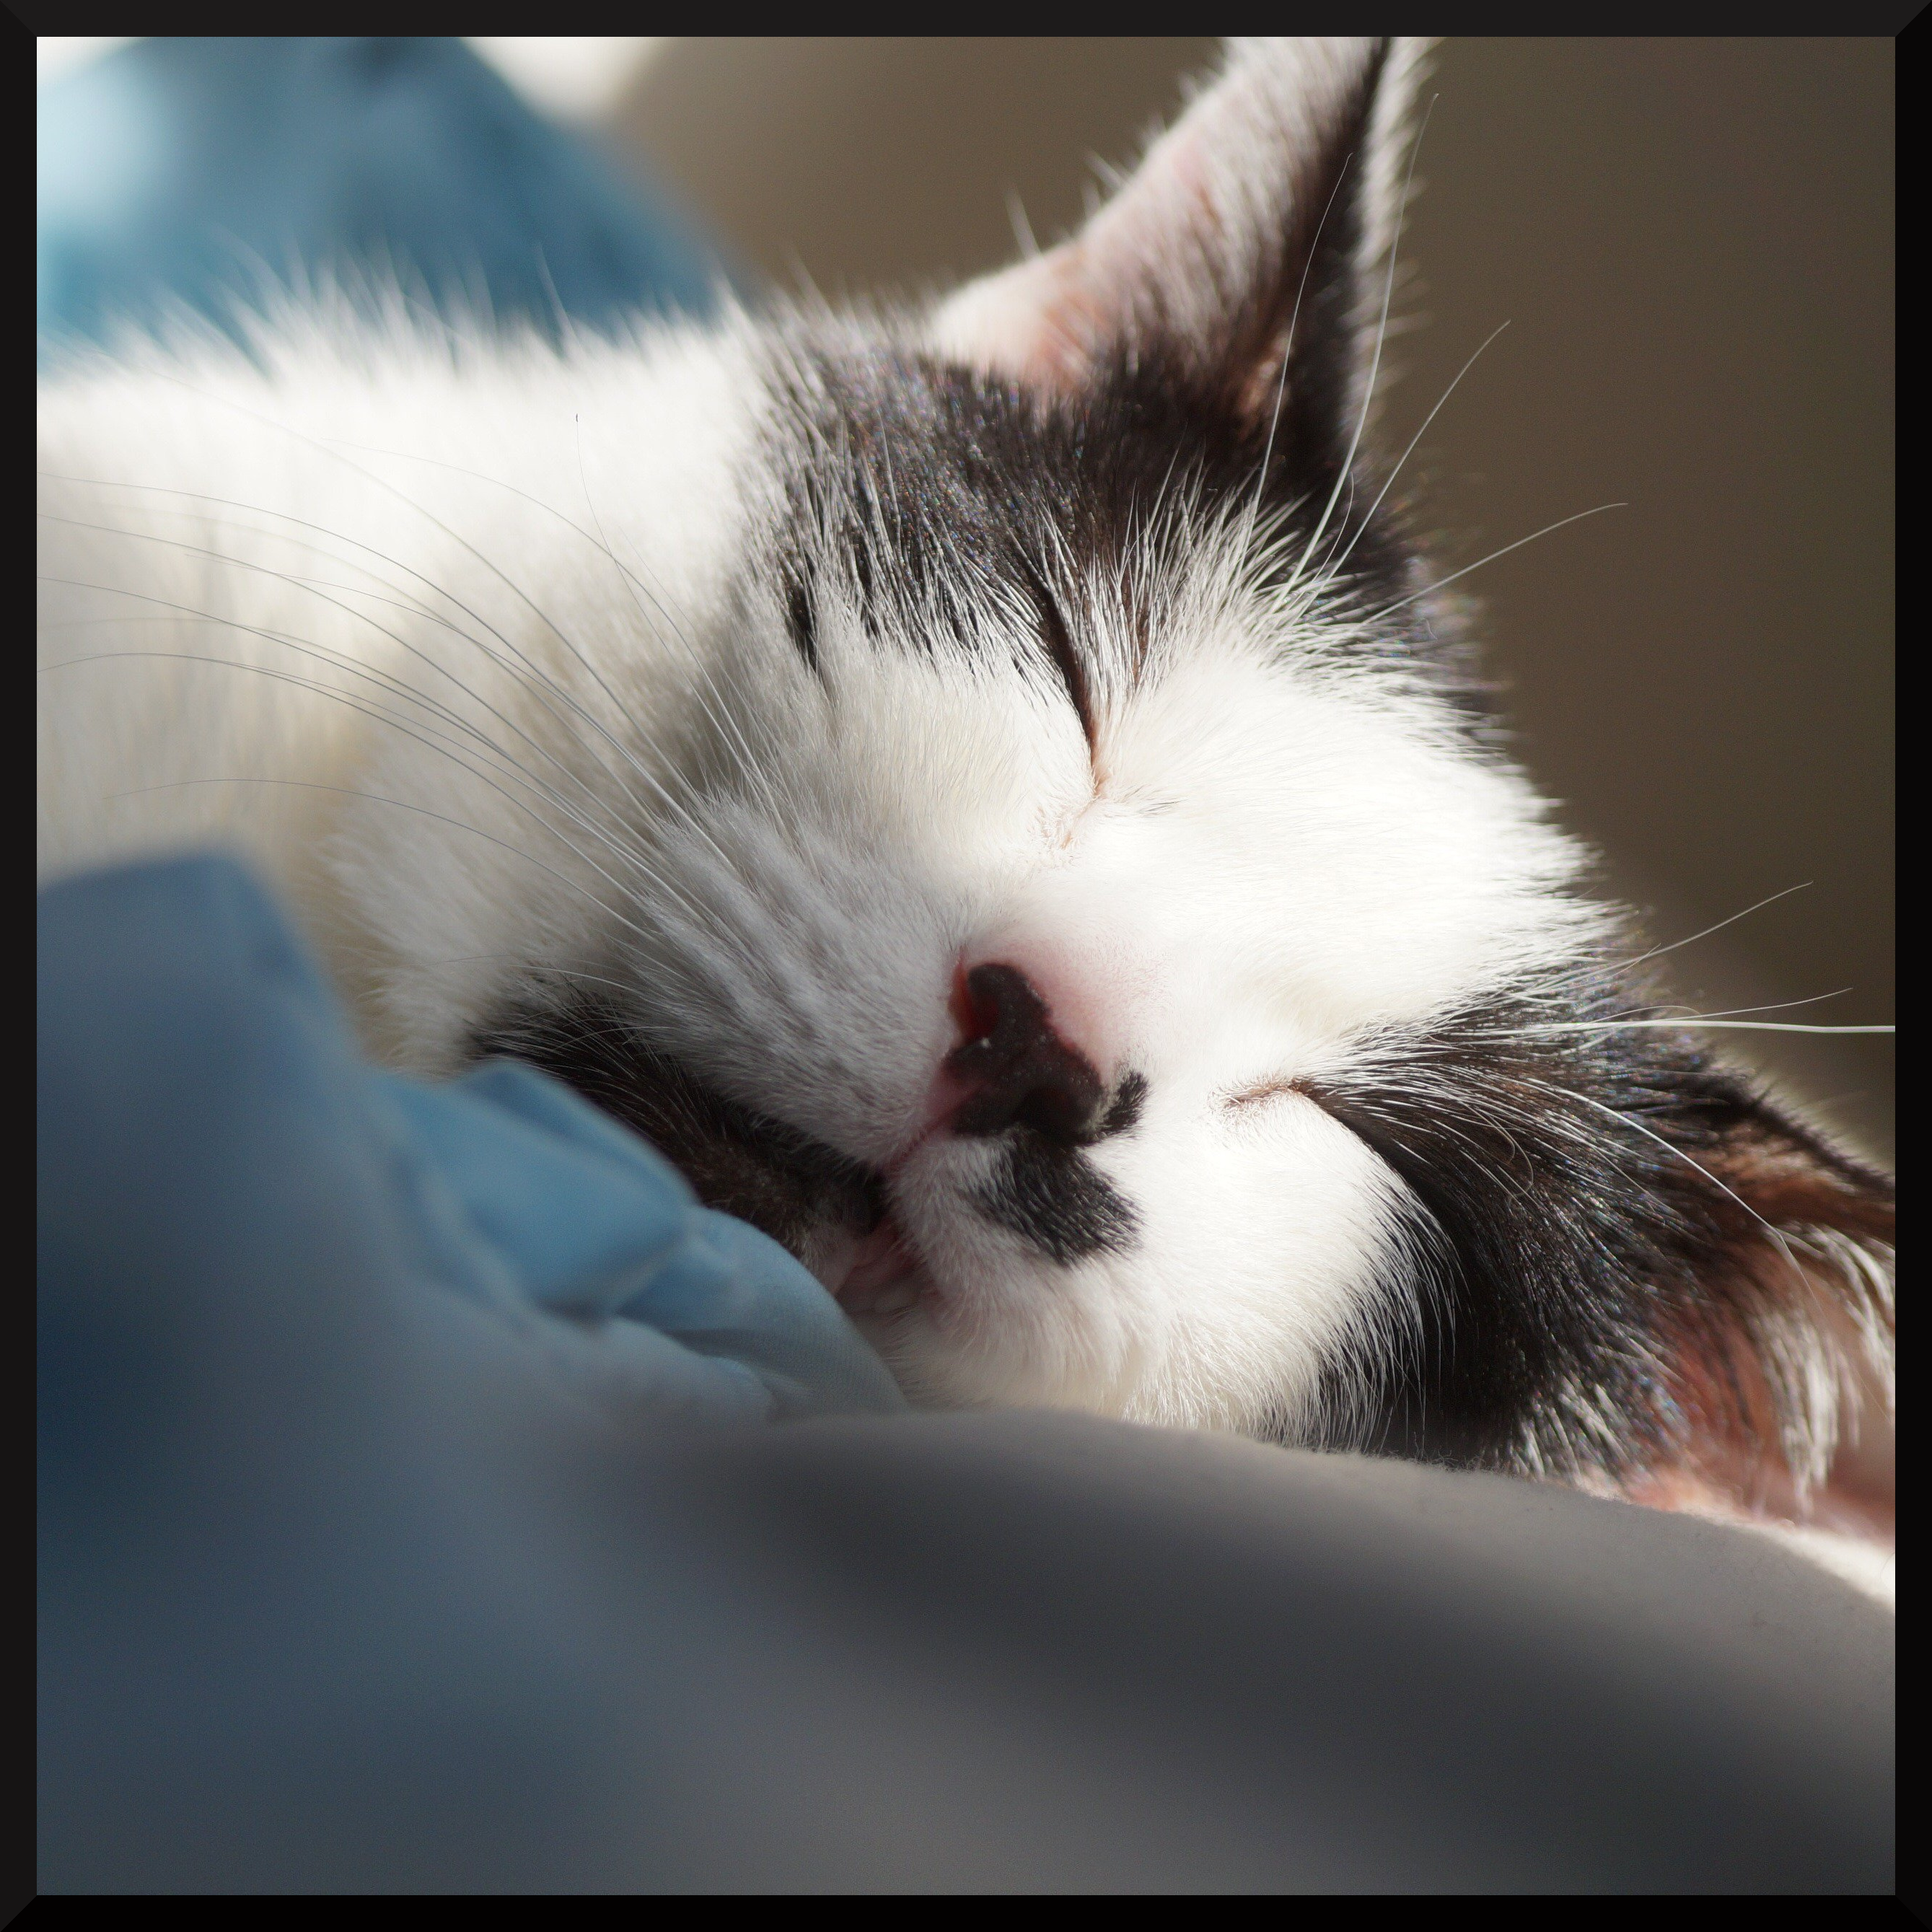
[992, 792]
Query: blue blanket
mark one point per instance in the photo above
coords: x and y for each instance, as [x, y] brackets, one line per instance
[204, 1116]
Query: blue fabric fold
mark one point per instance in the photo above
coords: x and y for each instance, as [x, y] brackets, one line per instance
[203, 1111]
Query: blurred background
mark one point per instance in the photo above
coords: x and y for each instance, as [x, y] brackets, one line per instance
[1692, 243]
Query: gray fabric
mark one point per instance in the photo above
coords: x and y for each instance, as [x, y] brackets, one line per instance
[998, 1653]
[1025, 1652]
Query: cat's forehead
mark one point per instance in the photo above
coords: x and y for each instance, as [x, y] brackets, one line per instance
[1137, 506]
[950, 466]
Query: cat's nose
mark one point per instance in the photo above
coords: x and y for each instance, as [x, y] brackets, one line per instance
[1017, 1070]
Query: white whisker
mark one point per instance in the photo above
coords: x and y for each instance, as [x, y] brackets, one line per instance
[1658, 951]
[1287, 348]
[1409, 450]
[1429, 590]
[401, 804]
[426, 736]
[1346, 474]
[1636, 1127]
[1693, 1023]
[349, 664]
[537, 682]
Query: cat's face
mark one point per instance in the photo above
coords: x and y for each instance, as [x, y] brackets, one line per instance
[1069, 895]
[1069, 844]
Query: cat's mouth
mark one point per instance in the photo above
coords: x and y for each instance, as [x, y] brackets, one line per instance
[880, 1274]
[829, 1210]
[836, 1212]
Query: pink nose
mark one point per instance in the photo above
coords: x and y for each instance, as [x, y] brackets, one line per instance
[1017, 1069]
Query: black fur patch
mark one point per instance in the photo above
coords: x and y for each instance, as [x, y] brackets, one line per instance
[1056, 1201]
[1129, 1098]
[739, 1162]
[936, 488]
[802, 621]
[1586, 1240]
[1059, 642]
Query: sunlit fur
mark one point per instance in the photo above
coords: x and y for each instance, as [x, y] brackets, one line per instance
[635, 777]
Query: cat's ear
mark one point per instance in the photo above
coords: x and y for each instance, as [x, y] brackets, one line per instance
[1783, 1372]
[1257, 229]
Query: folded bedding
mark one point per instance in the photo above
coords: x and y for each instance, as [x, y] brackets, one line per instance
[205, 1112]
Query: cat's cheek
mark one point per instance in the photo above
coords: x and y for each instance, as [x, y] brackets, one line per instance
[1262, 1246]
[1271, 1250]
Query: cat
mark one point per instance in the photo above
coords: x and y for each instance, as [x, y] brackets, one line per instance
[995, 790]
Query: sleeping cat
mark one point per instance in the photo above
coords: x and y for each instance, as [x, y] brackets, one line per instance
[996, 791]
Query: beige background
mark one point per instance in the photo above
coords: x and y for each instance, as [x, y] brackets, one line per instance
[1692, 243]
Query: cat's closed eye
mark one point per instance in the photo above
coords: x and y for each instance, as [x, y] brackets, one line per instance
[1262, 1091]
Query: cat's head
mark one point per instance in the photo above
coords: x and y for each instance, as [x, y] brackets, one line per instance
[1075, 900]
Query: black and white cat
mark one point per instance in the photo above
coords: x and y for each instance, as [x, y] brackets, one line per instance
[991, 791]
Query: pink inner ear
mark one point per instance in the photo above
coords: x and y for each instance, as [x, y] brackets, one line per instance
[1204, 250]
[1791, 1339]
[1043, 323]
[1035, 324]
[1734, 1472]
